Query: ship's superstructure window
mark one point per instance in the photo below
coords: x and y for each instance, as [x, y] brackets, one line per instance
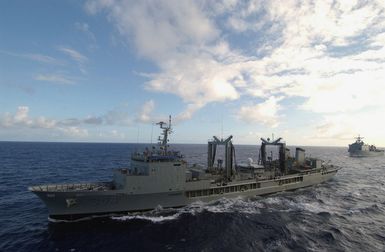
[139, 170]
[222, 190]
[290, 180]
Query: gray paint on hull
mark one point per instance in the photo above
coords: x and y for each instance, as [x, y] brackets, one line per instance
[113, 201]
[366, 153]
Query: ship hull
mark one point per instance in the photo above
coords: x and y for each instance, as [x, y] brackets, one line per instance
[74, 205]
[77, 204]
[366, 153]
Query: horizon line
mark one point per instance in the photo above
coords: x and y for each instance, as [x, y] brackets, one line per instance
[91, 142]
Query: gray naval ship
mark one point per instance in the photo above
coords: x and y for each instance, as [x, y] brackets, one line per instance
[161, 177]
[360, 149]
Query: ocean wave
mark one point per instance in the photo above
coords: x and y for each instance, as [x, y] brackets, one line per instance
[153, 219]
[223, 205]
[344, 214]
[233, 205]
[374, 208]
[86, 218]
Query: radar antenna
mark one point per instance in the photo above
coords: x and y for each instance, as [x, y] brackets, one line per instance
[359, 138]
[163, 139]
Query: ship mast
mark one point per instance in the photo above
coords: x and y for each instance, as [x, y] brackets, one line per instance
[359, 138]
[166, 131]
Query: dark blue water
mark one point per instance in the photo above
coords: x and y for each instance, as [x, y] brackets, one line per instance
[345, 214]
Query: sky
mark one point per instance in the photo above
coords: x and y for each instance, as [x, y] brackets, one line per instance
[312, 72]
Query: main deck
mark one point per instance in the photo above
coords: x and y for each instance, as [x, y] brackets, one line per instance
[102, 186]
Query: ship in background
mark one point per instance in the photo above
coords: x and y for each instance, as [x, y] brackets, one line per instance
[360, 149]
[160, 176]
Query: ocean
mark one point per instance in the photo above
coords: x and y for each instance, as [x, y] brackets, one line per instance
[347, 213]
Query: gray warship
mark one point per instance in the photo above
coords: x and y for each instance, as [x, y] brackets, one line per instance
[360, 149]
[161, 177]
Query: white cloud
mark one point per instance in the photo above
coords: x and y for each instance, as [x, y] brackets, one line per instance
[197, 80]
[158, 28]
[55, 78]
[35, 57]
[74, 132]
[334, 128]
[342, 128]
[185, 39]
[348, 92]
[21, 114]
[264, 113]
[145, 113]
[117, 116]
[96, 120]
[188, 112]
[118, 135]
[75, 55]
[72, 128]
[42, 58]
[85, 28]
[42, 122]
[21, 119]
[320, 50]
[108, 136]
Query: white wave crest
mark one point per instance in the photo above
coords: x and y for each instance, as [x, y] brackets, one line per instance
[154, 219]
[223, 205]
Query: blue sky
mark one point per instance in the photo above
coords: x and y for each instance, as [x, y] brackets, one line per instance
[312, 72]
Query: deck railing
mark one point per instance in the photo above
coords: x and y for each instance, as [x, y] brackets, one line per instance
[73, 187]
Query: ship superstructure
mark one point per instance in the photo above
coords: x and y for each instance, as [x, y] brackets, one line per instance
[160, 176]
[360, 149]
